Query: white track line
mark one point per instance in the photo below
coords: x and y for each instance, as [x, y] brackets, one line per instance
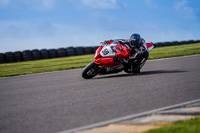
[128, 117]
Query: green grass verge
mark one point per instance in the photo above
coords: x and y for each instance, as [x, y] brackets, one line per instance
[188, 126]
[175, 51]
[56, 64]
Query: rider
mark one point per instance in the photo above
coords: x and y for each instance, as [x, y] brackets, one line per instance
[139, 50]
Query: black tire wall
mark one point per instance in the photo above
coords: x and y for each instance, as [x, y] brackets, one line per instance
[44, 54]
[61, 52]
[9, 57]
[70, 51]
[36, 54]
[52, 53]
[79, 51]
[88, 50]
[2, 58]
[26, 54]
[94, 49]
[18, 56]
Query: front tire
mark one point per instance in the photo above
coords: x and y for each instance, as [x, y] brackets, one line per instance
[90, 71]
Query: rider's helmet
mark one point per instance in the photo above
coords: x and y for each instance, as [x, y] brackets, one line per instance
[135, 36]
[134, 39]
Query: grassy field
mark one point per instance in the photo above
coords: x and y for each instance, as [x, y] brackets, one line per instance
[57, 64]
[188, 126]
[175, 51]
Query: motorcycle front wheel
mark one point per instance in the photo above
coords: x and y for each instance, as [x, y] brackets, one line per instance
[90, 71]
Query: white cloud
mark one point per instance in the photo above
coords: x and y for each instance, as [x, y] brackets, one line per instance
[150, 3]
[101, 4]
[185, 10]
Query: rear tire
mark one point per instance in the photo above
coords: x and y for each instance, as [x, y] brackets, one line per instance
[90, 71]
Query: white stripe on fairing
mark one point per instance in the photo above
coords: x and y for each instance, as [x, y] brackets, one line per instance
[128, 117]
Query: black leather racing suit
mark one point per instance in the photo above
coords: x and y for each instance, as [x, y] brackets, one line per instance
[139, 52]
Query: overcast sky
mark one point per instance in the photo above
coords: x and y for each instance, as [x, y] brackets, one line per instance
[30, 24]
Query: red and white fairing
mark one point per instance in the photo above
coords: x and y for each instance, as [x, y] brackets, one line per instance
[149, 46]
[104, 62]
[105, 53]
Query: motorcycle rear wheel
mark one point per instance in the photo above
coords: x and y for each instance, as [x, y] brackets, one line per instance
[90, 71]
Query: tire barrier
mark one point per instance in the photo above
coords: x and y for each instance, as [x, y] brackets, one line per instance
[44, 54]
[52, 53]
[158, 44]
[36, 54]
[162, 44]
[94, 49]
[26, 54]
[197, 41]
[2, 58]
[61, 52]
[18, 56]
[191, 41]
[183, 42]
[79, 51]
[9, 57]
[88, 50]
[70, 51]
[175, 43]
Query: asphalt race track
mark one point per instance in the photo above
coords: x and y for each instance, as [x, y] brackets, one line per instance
[62, 100]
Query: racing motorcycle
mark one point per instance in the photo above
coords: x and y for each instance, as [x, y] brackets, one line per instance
[106, 56]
